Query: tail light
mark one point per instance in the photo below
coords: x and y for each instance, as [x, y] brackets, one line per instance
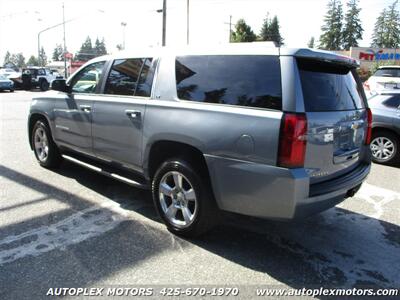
[292, 141]
[368, 134]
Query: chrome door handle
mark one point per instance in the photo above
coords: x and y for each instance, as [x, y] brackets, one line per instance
[86, 108]
[134, 114]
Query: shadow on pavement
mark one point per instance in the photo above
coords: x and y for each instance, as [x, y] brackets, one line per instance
[338, 248]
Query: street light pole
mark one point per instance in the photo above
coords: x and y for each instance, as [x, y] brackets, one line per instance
[164, 25]
[48, 28]
[187, 22]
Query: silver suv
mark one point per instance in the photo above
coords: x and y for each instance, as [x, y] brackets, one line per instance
[385, 142]
[266, 132]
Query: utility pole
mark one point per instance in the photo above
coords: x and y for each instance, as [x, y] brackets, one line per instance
[65, 46]
[230, 28]
[164, 21]
[187, 22]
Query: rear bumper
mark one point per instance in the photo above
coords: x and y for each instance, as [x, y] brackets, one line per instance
[271, 192]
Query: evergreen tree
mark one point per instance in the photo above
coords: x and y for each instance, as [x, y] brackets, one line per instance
[58, 53]
[311, 43]
[243, 33]
[100, 47]
[331, 37]
[386, 32]
[86, 52]
[392, 37]
[353, 30]
[270, 31]
[32, 61]
[7, 58]
[378, 35]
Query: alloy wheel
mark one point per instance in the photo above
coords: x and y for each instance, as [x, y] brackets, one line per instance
[41, 144]
[383, 149]
[178, 199]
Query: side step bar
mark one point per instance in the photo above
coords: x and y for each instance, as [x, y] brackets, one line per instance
[106, 172]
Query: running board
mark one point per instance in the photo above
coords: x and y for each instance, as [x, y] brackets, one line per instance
[106, 173]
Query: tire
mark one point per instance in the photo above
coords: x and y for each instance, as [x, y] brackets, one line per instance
[44, 85]
[200, 202]
[381, 141]
[11, 91]
[46, 151]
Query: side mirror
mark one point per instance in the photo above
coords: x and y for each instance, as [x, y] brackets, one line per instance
[60, 85]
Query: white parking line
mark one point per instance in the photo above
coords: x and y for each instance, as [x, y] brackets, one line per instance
[378, 197]
[78, 227]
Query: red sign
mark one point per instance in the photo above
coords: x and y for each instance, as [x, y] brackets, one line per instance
[68, 55]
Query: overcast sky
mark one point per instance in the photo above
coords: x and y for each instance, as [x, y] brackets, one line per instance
[20, 21]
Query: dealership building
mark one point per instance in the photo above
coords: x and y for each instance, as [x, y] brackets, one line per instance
[369, 56]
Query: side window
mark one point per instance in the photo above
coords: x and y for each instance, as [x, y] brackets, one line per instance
[393, 102]
[130, 77]
[123, 77]
[243, 80]
[146, 79]
[87, 79]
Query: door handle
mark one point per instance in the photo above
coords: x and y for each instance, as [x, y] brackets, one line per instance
[86, 108]
[134, 114]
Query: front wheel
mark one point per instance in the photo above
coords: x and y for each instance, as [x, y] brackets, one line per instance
[183, 198]
[46, 151]
[385, 148]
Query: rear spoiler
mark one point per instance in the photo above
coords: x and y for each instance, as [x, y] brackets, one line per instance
[326, 56]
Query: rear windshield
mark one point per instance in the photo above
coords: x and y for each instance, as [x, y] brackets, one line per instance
[329, 87]
[388, 72]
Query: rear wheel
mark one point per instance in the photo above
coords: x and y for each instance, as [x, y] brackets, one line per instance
[183, 198]
[385, 147]
[46, 151]
[44, 85]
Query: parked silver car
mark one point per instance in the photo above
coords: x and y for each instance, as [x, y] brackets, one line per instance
[266, 132]
[385, 142]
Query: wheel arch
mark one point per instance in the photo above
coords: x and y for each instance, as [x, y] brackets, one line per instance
[376, 129]
[33, 118]
[162, 150]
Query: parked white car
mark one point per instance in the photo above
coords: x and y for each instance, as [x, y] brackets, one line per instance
[8, 72]
[385, 78]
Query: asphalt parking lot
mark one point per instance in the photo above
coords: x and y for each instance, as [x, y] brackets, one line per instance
[75, 228]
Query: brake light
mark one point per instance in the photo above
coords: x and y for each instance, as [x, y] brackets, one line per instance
[292, 141]
[368, 134]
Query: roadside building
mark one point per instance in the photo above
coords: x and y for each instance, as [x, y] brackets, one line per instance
[370, 56]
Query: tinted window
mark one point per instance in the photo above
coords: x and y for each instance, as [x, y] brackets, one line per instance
[87, 79]
[130, 75]
[123, 77]
[237, 80]
[146, 79]
[393, 101]
[329, 87]
[388, 72]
